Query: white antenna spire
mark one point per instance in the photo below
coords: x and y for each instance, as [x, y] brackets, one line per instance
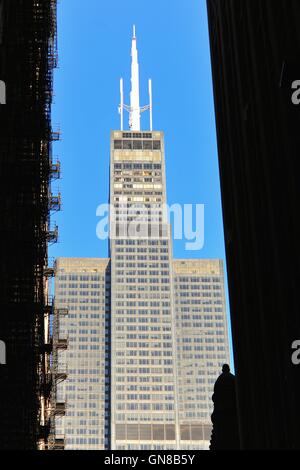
[134, 109]
[121, 108]
[135, 113]
[150, 104]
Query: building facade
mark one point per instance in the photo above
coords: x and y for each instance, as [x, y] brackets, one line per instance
[82, 287]
[144, 410]
[255, 49]
[162, 331]
[101, 391]
[202, 344]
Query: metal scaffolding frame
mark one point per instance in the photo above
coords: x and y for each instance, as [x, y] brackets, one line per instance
[28, 54]
[59, 373]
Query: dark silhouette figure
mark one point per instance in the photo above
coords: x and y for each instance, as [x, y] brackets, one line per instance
[225, 434]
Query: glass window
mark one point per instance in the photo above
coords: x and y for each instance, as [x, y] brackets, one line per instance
[137, 144]
[127, 144]
[147, 144]
[118, 144]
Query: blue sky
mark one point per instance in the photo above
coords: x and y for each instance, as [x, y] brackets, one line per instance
[94, 42]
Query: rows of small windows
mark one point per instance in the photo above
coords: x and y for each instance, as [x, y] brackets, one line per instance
[90, 347]
[168, 417]
[139, 249]
[142, 242]
[127, 363]
[137, 176]
[90, 380]
[137, 144]
[194, 301]
[130, 187]
[80, 277]
[142, 303]
[92, 293]
[145, 295]
[186, 280]
[192, 324]
[200, 349]
[147, 345]
[194, 406]
[83, 431]
[201, 316]
[152, 388]
[199, 309]
[161, 291]
[183, 297]
[86, 322]
[138, 319]
[89, 339]
[85, 372]
[121, 264]
[189, 290]
[142, 207]
[187, 388]
[189, 340]
[91, 308]
[83, 441]
[80, 395]
[126, 216]
[213, 348]
[83, 300]
[144, 397]
[137, 166]
[140, 358]
[140, 257]
[84, 331]
[84, 422]
[147, 292]
[148, 196]
[145, 371]
[204, 324]
[158, 375]
[140, 272]
[144, 280]
[138, 179]
[145, 406]
[137, 135]
[144, 328]
[85, 285]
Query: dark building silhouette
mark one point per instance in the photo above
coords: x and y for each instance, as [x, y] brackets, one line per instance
[27, 58]
[255, 51]
[225, 432]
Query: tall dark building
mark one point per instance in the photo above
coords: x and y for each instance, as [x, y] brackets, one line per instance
[27, 58]
[255, 51]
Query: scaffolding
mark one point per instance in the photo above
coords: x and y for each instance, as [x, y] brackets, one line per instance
[28, 54]
[59, 373]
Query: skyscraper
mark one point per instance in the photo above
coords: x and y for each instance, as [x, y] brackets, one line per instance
[255, 49]
[166, 321]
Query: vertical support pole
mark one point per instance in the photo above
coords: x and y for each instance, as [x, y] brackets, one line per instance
[150, 101]
[122, 102]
